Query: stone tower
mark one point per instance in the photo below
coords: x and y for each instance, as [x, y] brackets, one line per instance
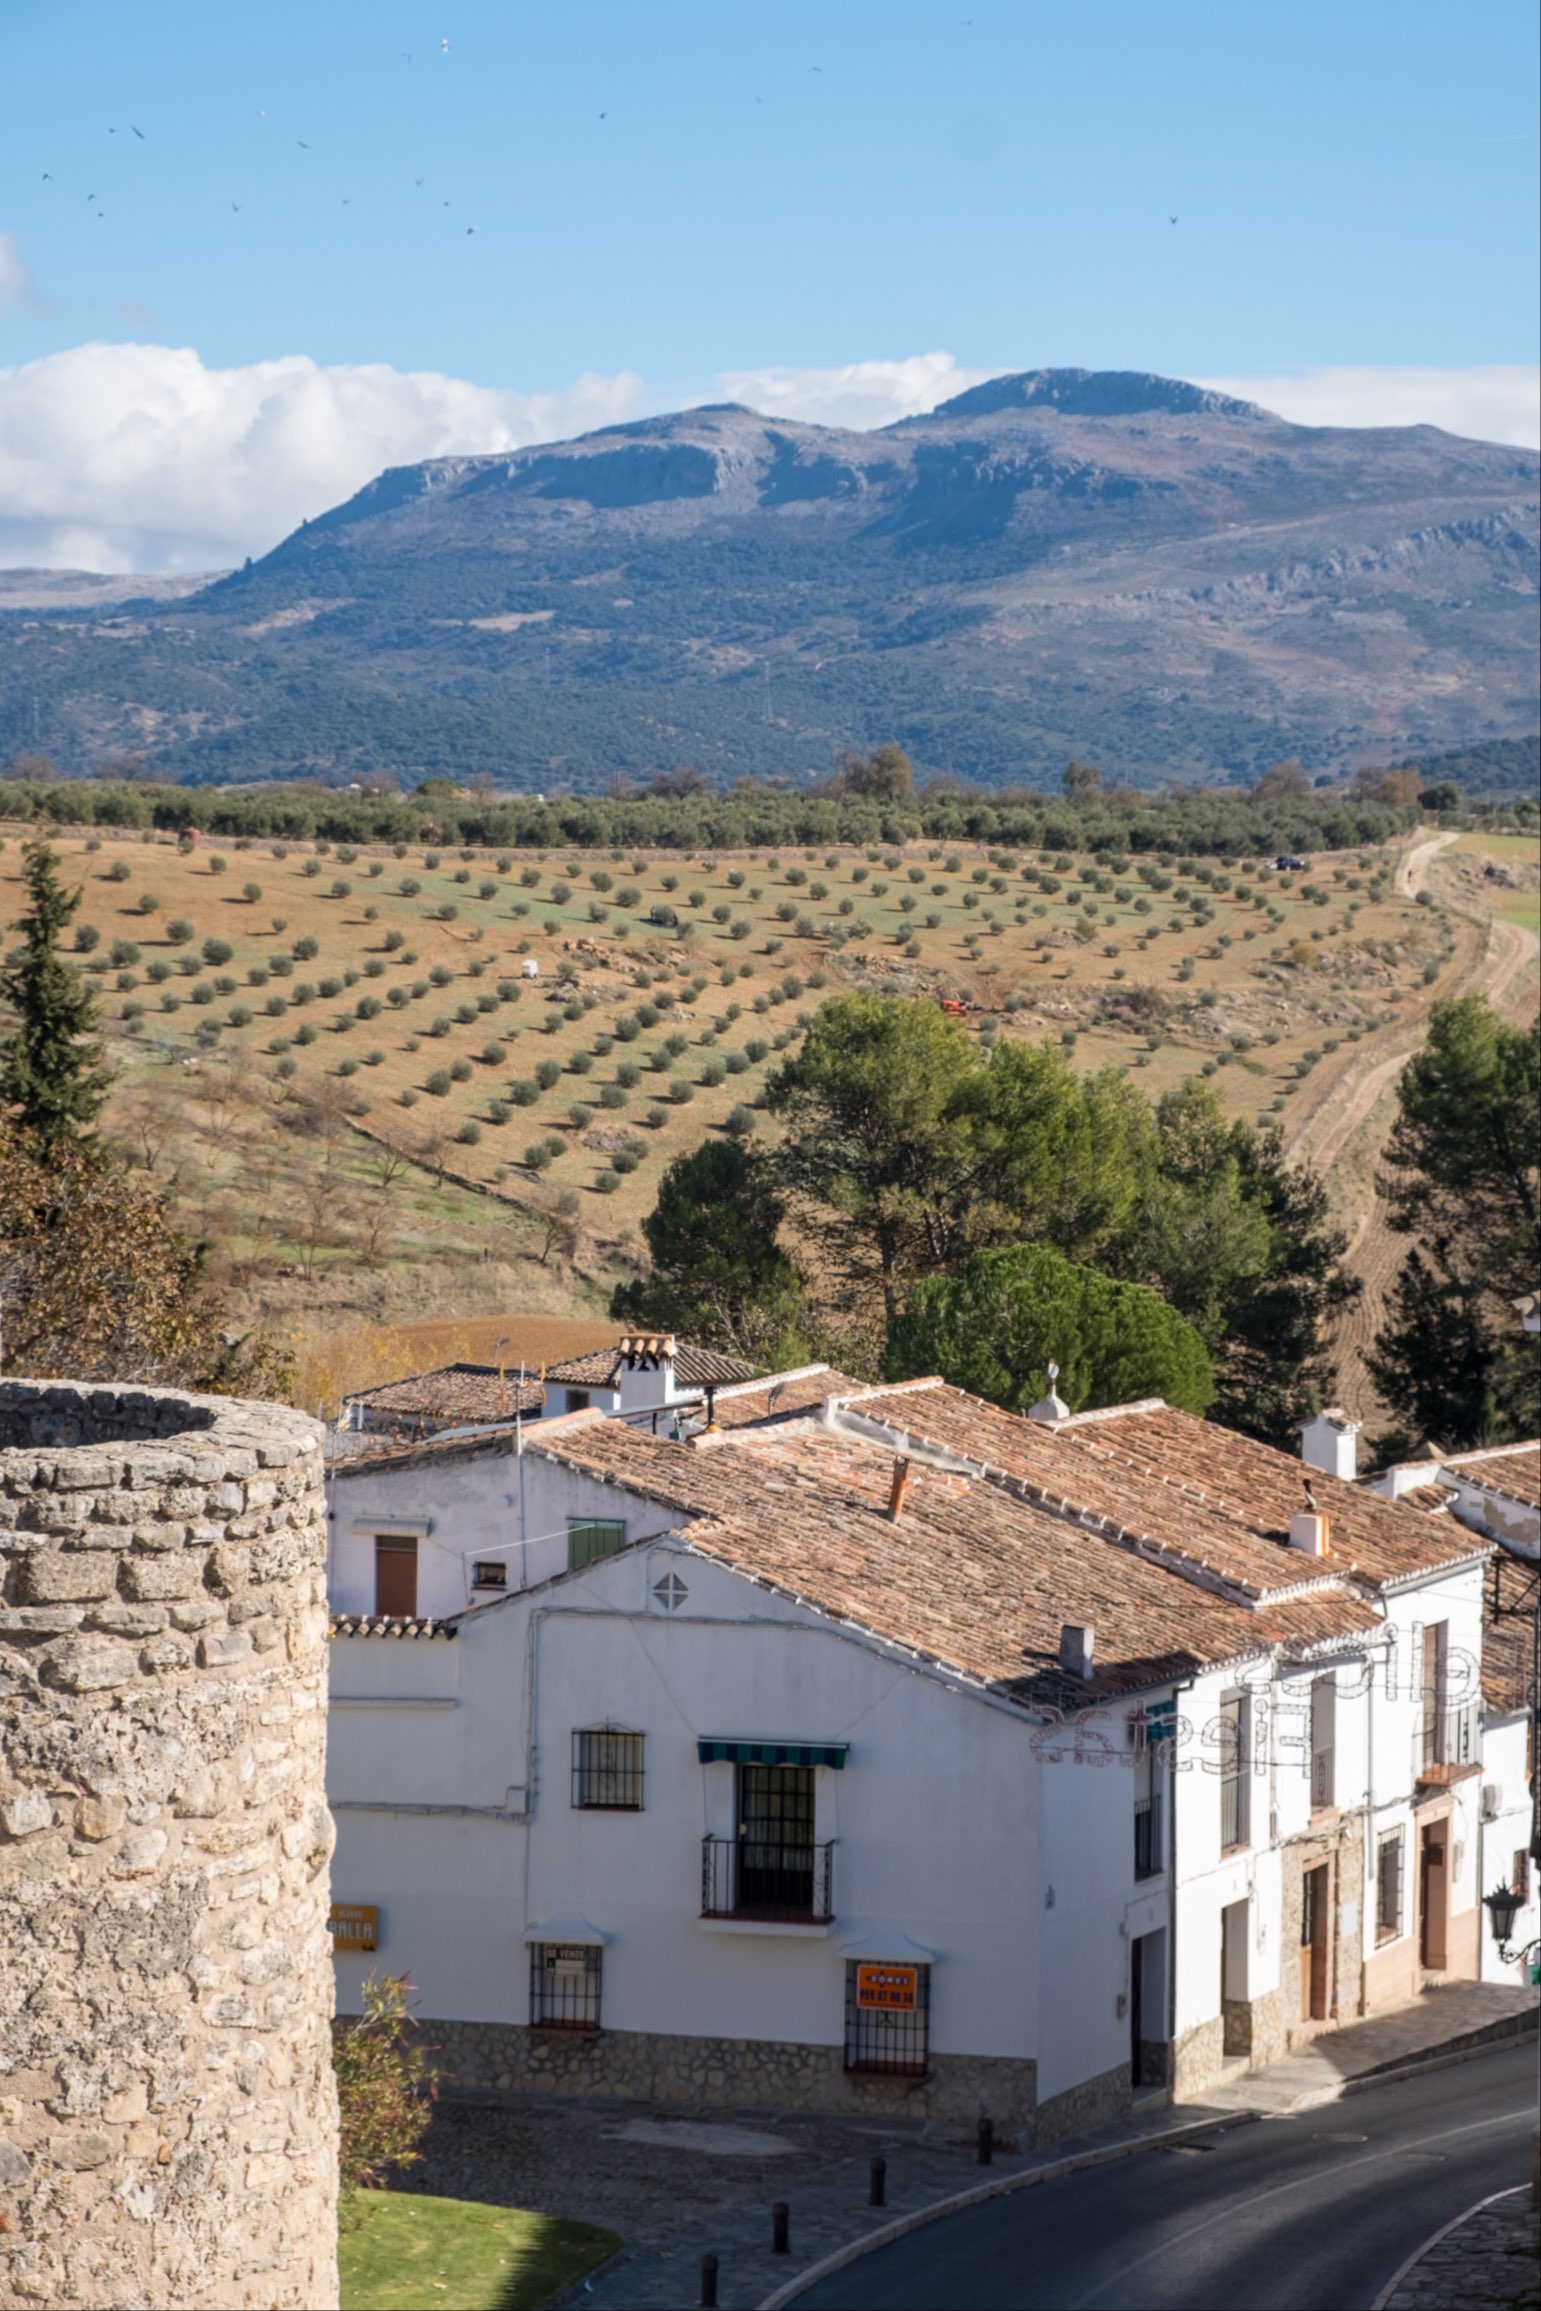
[168, 2124]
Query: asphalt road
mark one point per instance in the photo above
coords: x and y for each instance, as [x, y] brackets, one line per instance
[1309, 2213]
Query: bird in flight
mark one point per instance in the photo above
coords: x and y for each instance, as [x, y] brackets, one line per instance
[48, 176]
[300, 141]
[604, 116]
[236, 207]
[470, 228]
[444, 48]
[419, 180]
[1174, 220]
[139, 132]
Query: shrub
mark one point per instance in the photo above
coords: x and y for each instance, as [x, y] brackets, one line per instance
[656, 1117]
[682, 1091]
[217, 951]
[581, 1062]
[460, 1070]
[117, 872]
[524, 1093]
[580, 1115]
[469, 1133]
[607, 1182]
[740, 1121]
[438, 1083]
[385, 2087]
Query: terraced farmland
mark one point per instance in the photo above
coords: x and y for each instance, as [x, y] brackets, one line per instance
[365, 1094]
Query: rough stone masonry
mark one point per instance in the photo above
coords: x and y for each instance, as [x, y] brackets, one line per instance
[168, 2120]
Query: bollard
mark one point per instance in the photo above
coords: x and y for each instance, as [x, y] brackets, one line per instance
[986, 2141]
[877, 2190]
[708, 2283]
[780, 2243]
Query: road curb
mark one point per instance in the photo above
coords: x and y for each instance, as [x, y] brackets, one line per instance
[996, 2188]
[961, 2201]
[1444, 2231]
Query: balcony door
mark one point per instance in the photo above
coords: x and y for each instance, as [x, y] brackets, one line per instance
[775, 1837]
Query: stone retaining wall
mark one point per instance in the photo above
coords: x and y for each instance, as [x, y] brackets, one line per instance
[167, 2108]
[503, 2058]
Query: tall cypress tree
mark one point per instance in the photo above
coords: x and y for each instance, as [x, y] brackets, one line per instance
[51, 1073]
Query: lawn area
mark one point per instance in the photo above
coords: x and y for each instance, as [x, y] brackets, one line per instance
[398, 2251]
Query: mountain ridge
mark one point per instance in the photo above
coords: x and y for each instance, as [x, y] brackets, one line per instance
[1109, 562]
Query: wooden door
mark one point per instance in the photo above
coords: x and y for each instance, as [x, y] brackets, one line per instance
[1433, 1896]
[396, 1576]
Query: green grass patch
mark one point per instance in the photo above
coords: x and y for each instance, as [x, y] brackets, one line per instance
[398, 2251]
[1522, 907]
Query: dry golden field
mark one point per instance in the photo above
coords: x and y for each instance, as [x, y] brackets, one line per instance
[375, 1115]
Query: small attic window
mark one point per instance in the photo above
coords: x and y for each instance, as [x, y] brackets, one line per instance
[489, 1573]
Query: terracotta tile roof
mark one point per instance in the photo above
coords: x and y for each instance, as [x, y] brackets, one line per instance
[452, 1394]
[357, 1455]
[694, 1367]
[1511, 1583]
[969, 1577]
[779, 1394]
[1201, 1494]
[1433, 1499]
[1513, 1470]
[388, 1625]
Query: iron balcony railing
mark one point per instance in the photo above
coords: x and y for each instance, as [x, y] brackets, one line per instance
[1447, 1742]
[1147, 1836]
[1322, 1782]
[748, 1878]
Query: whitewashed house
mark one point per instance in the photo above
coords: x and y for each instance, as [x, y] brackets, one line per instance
[874, 1743]
[1497, 1492]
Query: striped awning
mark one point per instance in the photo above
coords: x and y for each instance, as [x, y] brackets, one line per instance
[722, 1752]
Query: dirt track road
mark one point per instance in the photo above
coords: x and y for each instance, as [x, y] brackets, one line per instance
[1355, 1115]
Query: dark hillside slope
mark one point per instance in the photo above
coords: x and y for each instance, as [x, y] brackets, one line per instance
[1174, 582]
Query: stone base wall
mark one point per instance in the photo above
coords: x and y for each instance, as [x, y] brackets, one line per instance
[168, 2117]
[1155, 2062]
[1095, 2102]
[1340, 1844]
[737, 2074]
[1198, 2058]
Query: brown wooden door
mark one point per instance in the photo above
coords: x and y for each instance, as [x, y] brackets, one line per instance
[1315, 1942]
[1433, 1896]
[396, 1576]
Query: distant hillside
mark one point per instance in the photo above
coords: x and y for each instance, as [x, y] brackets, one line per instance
[1169, 581]
[1503, 766]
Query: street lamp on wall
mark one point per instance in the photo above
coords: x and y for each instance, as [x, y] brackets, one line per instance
[1503, 1906]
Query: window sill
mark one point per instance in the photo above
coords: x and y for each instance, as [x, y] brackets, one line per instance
[567, 2029]
[810, 1929]
[886, 2070]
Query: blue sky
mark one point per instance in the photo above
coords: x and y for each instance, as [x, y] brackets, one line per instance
[789, 189]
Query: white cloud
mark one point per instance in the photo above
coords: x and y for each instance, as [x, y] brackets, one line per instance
[861, 395]
[137, 457]
[1501, 402]
[18, 290]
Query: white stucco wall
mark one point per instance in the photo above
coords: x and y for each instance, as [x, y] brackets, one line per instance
[939, 1815]
[495, 1504]
[1505, 1751]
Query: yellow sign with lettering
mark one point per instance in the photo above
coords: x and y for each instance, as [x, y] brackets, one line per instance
[893, 1988]
[355, 1925]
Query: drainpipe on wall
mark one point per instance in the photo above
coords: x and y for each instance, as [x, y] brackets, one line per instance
[1171, 1961]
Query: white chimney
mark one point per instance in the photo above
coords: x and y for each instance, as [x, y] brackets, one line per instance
[1328, 1441]
[1052, 1407]
[1077, 1645]
[1309, 1532]
[647, 1370]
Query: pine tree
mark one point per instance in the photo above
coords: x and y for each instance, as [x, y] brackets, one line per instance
[50, 1070]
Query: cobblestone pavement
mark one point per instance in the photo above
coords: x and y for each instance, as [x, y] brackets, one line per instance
[672, 2201]
[1485, 2261]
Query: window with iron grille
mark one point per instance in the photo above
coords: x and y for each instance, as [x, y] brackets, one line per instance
[591, 1537]
[564, 1985]
[1388, 1887]
[607, 1770]
[887, 2018]
[489, 1573]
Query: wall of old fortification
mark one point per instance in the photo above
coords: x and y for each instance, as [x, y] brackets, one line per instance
[167, 2109]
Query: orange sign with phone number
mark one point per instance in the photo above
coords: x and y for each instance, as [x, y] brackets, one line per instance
[894, 1988]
